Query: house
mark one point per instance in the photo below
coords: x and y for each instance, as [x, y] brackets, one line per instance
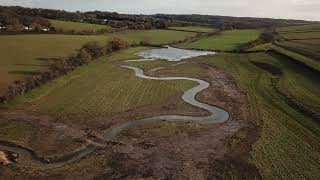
[45, 29]
[28, 28]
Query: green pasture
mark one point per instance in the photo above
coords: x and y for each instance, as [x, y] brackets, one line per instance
[228, 40]
[154, 36]
[77, 26]
[24, 55]
[194, 29]
[98, 90]
[299, 28]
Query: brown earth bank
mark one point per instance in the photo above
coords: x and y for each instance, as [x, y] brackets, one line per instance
[155, 151]
[193, 151]
[55, 137]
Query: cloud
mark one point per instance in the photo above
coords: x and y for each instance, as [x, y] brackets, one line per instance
[296, 9]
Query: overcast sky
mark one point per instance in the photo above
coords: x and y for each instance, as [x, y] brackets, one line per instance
[294, 9]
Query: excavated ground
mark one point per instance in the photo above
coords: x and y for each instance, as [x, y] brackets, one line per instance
[157, 151]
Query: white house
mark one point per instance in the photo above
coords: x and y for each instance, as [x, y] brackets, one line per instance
[28, 28]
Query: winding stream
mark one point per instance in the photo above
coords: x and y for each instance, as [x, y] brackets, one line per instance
[218, 115]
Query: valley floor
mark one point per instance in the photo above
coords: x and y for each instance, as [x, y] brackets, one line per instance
[272, 98]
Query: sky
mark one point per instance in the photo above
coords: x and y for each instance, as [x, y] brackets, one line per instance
[287, 9]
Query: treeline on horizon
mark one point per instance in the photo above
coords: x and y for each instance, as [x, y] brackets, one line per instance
[27, 16]
[13, 22]
[228, 22]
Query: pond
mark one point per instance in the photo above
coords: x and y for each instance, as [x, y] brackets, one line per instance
[172, 54]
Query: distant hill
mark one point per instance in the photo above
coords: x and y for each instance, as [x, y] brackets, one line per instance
[158, 21]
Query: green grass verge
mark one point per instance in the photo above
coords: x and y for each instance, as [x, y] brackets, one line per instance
[228, 40]
[149, 65]
[77, 26]
[261, 47]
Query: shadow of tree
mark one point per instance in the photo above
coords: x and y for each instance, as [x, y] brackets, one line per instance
[21, 72]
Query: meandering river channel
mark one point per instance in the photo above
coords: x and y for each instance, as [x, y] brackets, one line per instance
[218, 115]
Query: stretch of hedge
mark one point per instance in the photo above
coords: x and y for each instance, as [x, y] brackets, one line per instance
[88, 53]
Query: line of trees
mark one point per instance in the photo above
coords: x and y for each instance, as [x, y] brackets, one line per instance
[94, 17]
[158, 21]
[88, 53]
[10, 21]
[227, 22]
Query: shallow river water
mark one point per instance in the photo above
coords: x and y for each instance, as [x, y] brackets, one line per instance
[172, 54]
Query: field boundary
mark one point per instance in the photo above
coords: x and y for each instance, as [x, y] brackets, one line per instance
[87, 54]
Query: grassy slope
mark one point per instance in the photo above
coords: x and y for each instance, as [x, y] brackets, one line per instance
[261, 47]
[301, 35]
[112, 90]
[154, 36]
[77, 26]
[193, 29]
[228, 40]
[299, 28]
[22, 55]
[290, 142]
[300, 32]
[295, 56]
[149, 65]
[289, 146]
[309, 48]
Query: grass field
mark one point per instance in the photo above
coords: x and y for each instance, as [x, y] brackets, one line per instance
[154, 36]
[289, 146]
[228, 40]
[77, 26]
[301, 35]
[290, 139]
[24, 55]
[112, 90]
[309, 48]
[300, 32]
[193, 29]
[283, 95]
[300, 28]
